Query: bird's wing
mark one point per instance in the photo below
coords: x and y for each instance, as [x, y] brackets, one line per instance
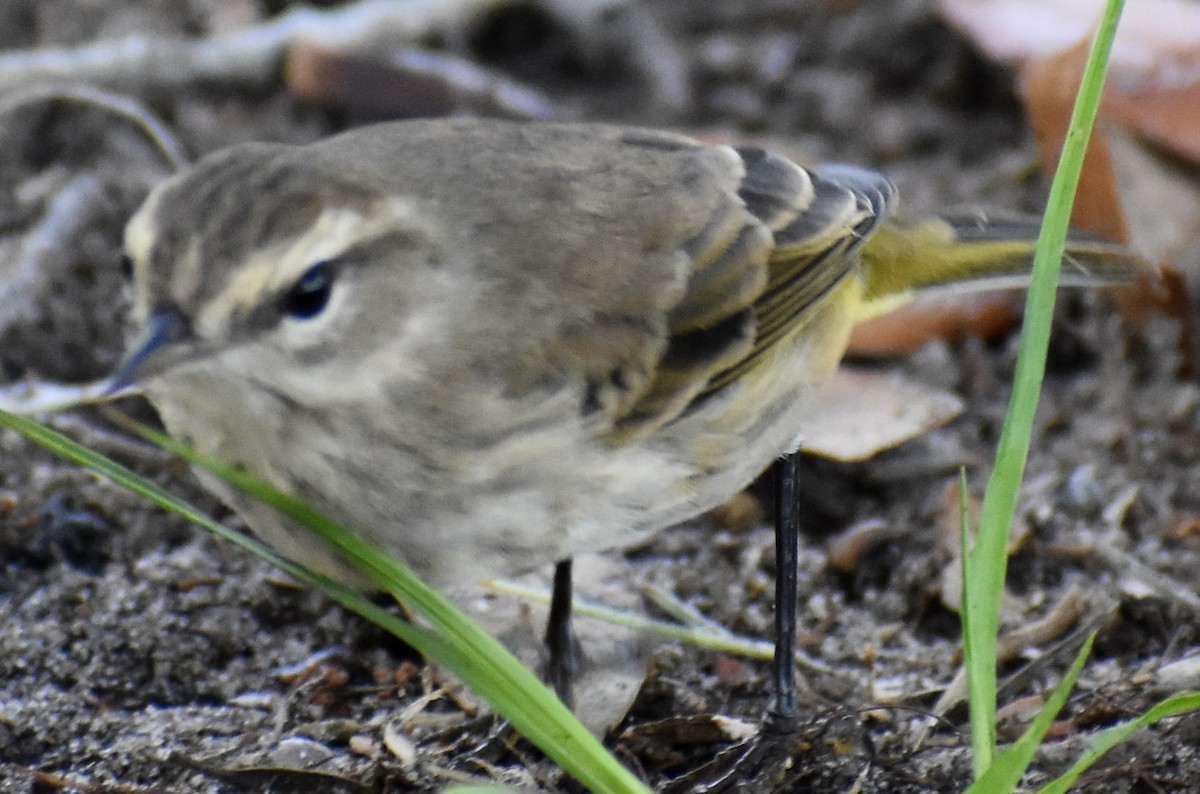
[758, 270]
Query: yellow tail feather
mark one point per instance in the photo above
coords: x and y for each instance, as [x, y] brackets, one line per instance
[976, 252]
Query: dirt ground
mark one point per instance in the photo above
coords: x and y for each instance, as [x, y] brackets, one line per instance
[138, 654]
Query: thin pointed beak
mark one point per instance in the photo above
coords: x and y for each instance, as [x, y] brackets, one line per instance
[166, 326]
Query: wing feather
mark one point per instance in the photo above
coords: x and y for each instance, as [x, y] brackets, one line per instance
[754, 286]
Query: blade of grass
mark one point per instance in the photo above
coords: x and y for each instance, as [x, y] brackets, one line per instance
[985, 565]
[970, 660]
[1109, 737]
[1008, 767]
[455, 642]
[699, 636]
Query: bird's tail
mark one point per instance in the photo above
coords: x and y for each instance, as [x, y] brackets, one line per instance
[975, 251]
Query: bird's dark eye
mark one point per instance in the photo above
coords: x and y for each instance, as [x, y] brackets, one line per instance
[309, 296]
[127, 267]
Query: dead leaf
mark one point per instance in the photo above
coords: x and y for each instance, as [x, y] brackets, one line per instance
[1049, 86]
[860, 413]
[1132, 188]
[846, 549]
[934, 316]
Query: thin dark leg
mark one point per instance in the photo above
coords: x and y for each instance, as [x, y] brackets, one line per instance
[787, 540]
[560, 641]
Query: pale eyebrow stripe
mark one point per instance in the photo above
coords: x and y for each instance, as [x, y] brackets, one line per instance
[139, 242]
[275, 268]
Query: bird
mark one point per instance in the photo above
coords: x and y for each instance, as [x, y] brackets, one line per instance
[491, 346]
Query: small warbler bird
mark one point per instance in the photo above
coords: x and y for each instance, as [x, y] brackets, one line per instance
[490, 346]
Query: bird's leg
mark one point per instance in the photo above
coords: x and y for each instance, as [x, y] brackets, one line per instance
[560, 640]
[787, 539]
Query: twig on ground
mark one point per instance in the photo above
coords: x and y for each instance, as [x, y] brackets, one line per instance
[410, 82]
[116, 104]
[252, 56]
[1132, 570]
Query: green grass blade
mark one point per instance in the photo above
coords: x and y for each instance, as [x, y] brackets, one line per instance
[985, 566]
[983, 739]
[1106, 739]
[697, 636]
[1008, 767]
[454, 641]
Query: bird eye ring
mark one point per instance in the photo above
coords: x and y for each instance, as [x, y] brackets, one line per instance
[309, 296]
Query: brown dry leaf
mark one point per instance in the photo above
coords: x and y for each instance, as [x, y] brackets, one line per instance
[1152, 94]
[846, 550]
[1127, 190]
[1184, 527]
[1049, 87]
[1124, 186]
[934, 316]
[859, 414]
[1167, 115]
